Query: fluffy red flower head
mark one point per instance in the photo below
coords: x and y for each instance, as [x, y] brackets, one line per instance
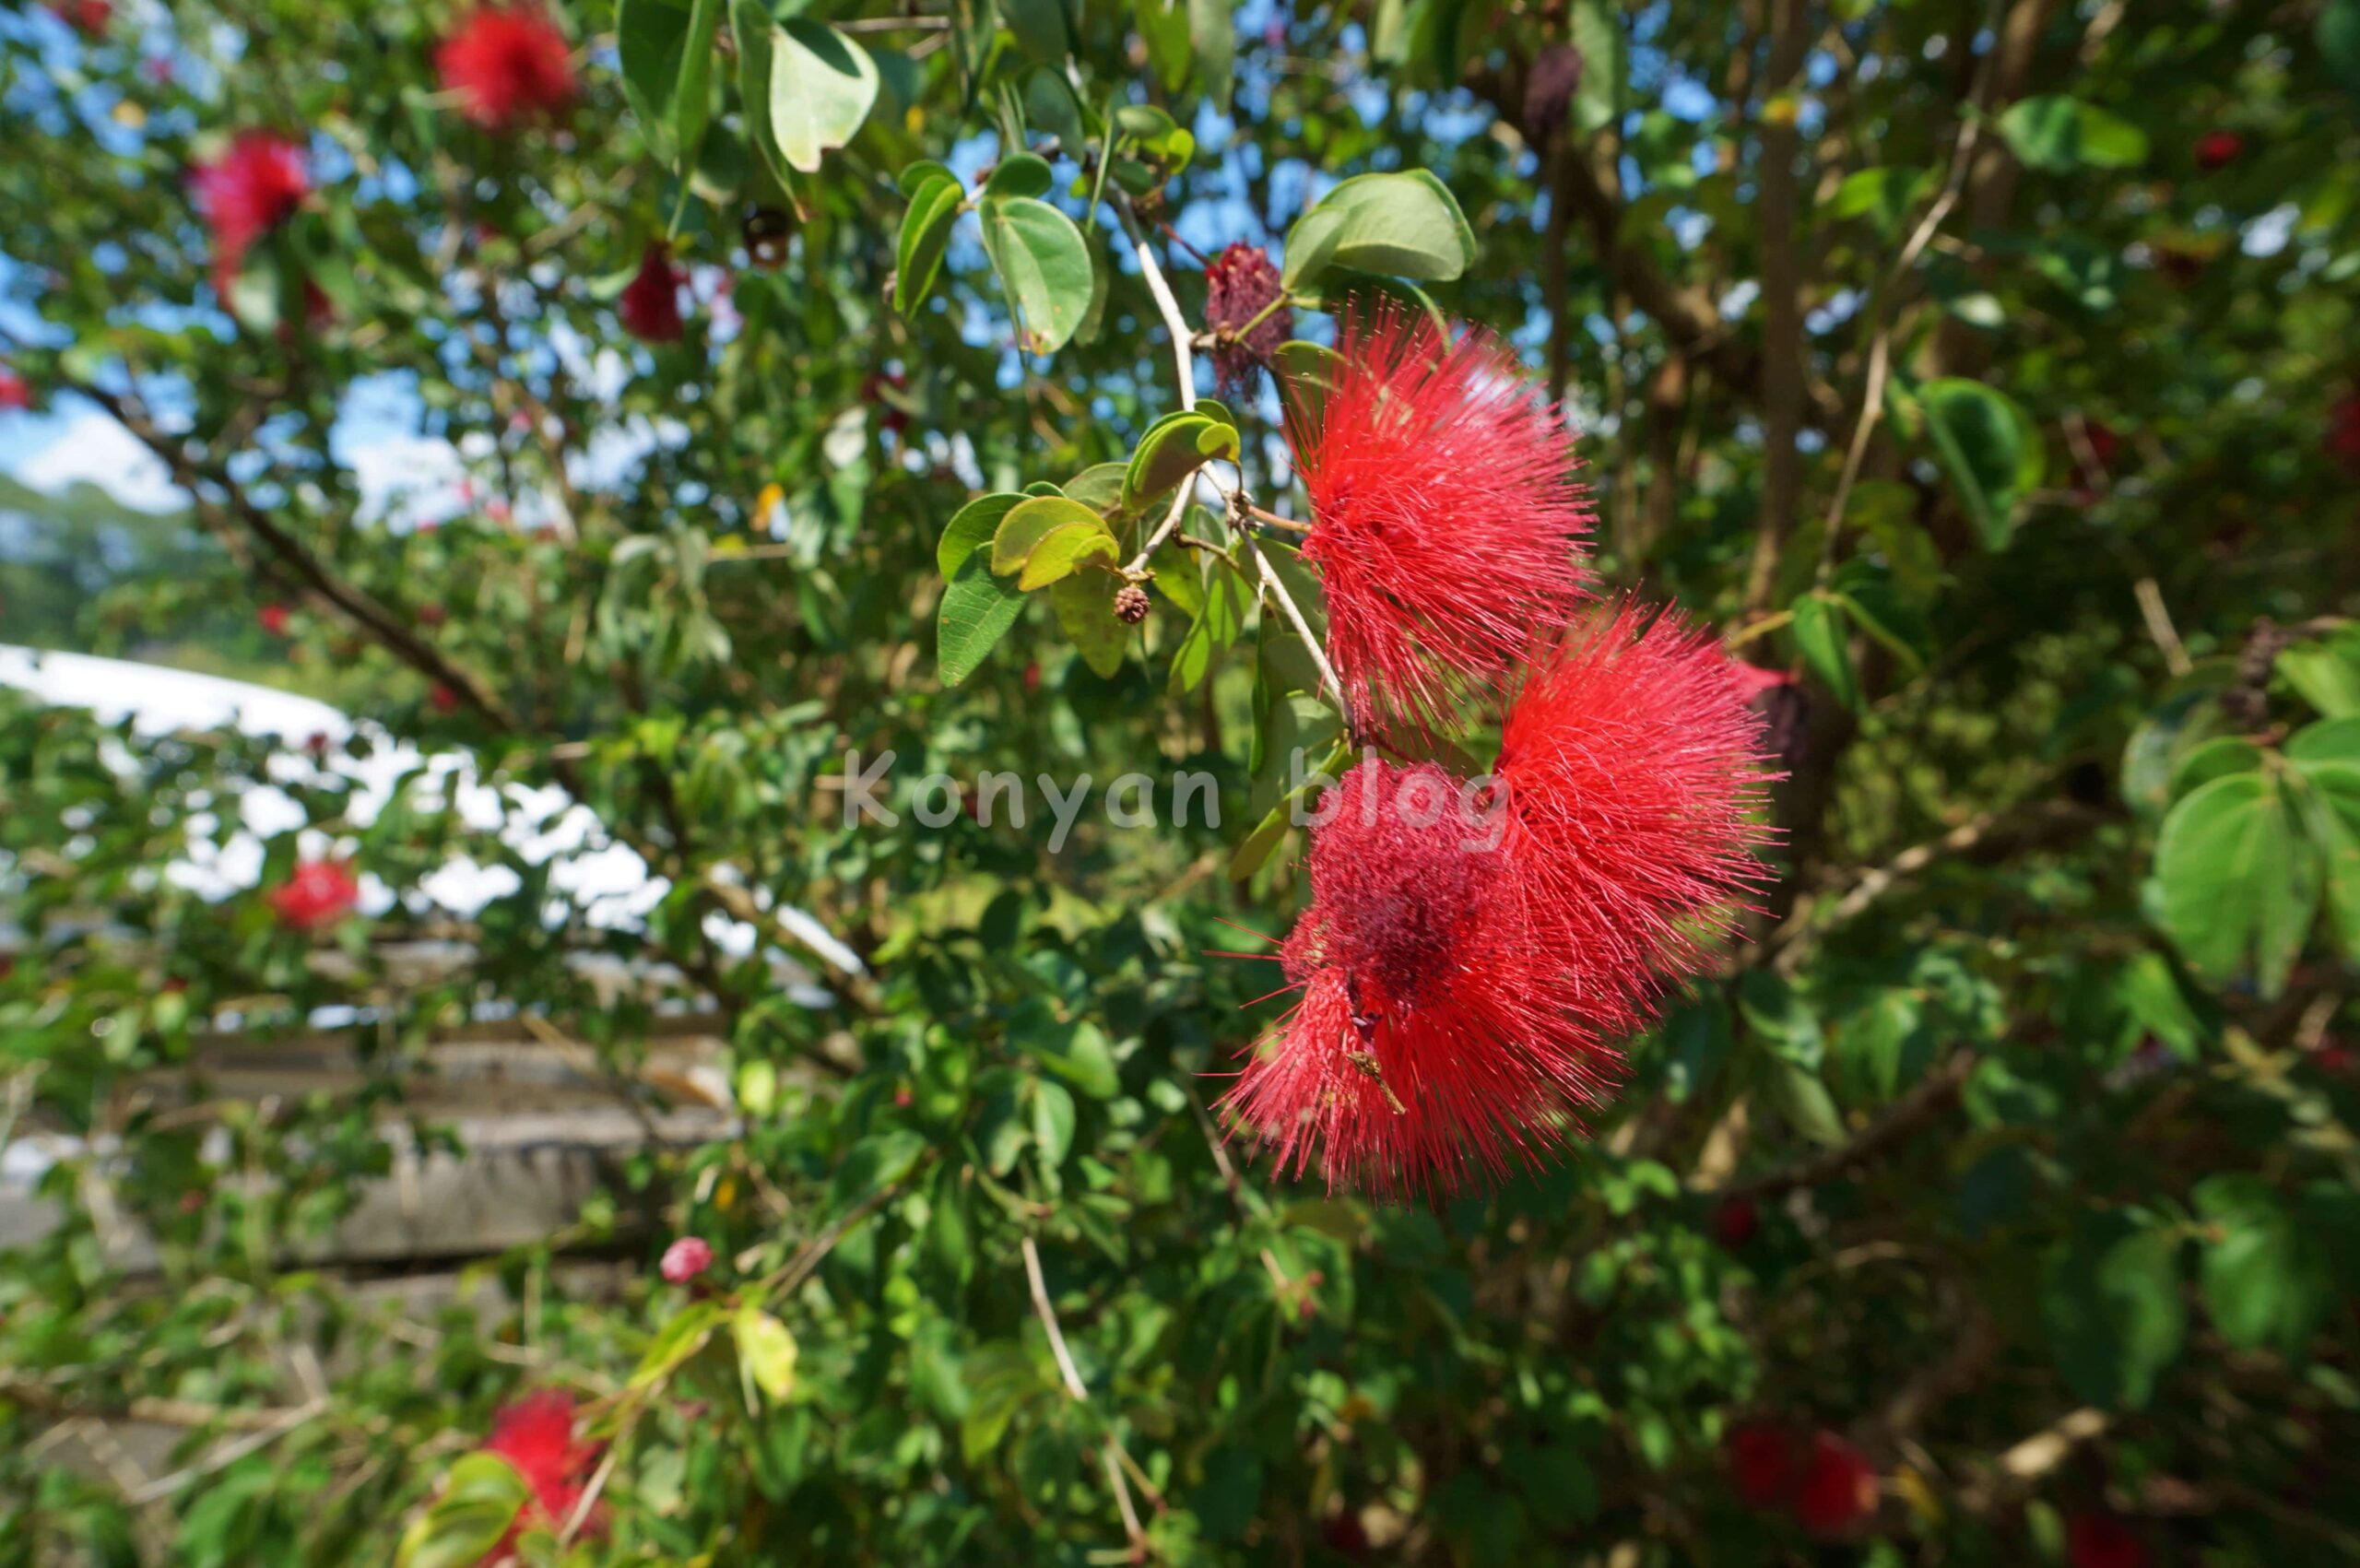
[1465, 974]
[249, 191]
[1430, 1047]
[1632, 772]
[16, 391]
[88, 18]
[2101, 1540]
[535, 1435]
[319, 894]
[444, 699]
[1836, 1487]
[685, 1259]
[1763, 1458]
[2218, 150]
[507, 63]
[274, 618]
[1240, 284]
[651, 300]
[2344, 434]
[1736, 1220]
[1445, 518]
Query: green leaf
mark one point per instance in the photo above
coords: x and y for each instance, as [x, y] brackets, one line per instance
[459, 1529]
[925, 235]
[1826, 646]
[1603, 92]
[1215, 628]
[2239, 879]
[2326, 671]
[2338, 38]
[680, 1339]
[2115, 1317]
[821, 86]
[1065, 551]
[1255, 850]
[2334, 809]
[2213, 759]
[1174, 447]
[666, 55]
[1039, 27]
[970, 528]
[920, 173]
[2059, 134]
[1078, 1053]
[1044, 263]
[1085, 607]
[1019, 175]
[766, 1355]
[977, 608]
[1052, 1121]
[2263, 1284]
[756, 31]
[1404, 225]
[2329, 740]
[1804, 1100]
[1049, 104]
[1884, 197]
[1989, 449]
[1099, 487]
[1212, 38]
[1032, 520]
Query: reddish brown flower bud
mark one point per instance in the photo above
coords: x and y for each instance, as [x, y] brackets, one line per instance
[650, 306]
[444, 699]
[2101, 1540]
[1239, 285]
[1836, 1489]
[2217, 149]
[1763, 1459]
[1130, 604]
[1735, 1221]
[1555, 77]
[318, 894]
[685, 1259]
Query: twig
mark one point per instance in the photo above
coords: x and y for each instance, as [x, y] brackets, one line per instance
[1112, 1453]
[798, 1268]
[1184, 371]
[228, 1453]
[2158, 618]
[1924, 1102]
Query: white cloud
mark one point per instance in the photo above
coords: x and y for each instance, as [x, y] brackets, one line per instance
[93, 447]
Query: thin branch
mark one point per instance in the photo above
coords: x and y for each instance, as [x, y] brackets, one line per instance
[1928, 1099]
[230, 1452]
[1112, 1451]
[1184, 371]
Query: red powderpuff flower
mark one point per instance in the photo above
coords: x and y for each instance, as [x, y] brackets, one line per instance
[651, 300]
[2344, 434]
[1633, 773]
[506, 65]
[443, 696]
[319, 894]
[2218, 150]
[2101, 1540]
[1240, 284]
[88, 18]
[252, 188]
[1428, 1048]
[1446, 519]
[535, 1435]
[1836, 1487]
[1735, 1221]
[274, 618]
[16, 391]
[685, 1259]
[1763, 1459]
